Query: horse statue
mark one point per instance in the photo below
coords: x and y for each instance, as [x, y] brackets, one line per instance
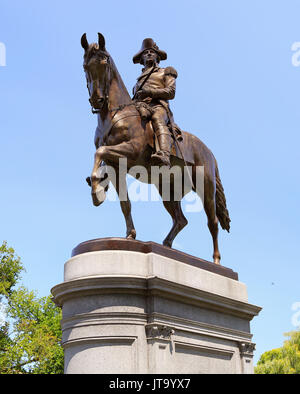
[122, 134]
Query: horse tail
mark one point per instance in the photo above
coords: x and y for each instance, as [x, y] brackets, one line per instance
[221, 209]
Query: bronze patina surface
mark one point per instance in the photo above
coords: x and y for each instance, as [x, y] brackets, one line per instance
[125, 132]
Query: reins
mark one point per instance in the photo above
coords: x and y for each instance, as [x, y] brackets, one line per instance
[106, 88]
[106, 102]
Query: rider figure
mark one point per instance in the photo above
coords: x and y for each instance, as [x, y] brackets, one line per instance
[155, 87]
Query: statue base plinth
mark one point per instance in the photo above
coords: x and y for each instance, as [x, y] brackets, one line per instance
[139, 307]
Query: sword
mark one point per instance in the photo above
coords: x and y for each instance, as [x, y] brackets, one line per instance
[165, 105]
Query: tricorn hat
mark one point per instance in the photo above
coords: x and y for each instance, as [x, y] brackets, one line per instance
[148, 43]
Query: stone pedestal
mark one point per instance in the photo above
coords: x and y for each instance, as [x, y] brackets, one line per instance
[139, 307]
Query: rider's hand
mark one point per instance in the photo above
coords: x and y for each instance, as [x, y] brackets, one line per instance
[142, 94]
[147, 92]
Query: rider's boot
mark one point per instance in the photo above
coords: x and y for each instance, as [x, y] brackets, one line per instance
[162, 156]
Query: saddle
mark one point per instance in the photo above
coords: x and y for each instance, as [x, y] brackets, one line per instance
[180, 145]
[146, 113]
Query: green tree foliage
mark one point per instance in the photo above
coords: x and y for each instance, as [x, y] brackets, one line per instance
[284, 360]
[10, 269]
[30, 337]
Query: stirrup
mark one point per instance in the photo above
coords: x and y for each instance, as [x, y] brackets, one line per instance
[160, 159]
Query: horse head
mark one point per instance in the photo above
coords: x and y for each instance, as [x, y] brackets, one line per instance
[96, 65]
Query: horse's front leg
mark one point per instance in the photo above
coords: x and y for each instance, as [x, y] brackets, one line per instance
[126, 209]
[103, 153]
[98, 191]
[109, 154]
[121, 189]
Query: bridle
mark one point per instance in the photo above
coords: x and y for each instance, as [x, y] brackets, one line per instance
[105, 102]
[107, 82]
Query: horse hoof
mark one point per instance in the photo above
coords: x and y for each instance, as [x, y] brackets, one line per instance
[167, 243]
[131, 235]
[98, 196]
[217, 261]
[88, 180]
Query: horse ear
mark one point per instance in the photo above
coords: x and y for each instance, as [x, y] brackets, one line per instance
[84, 42]
[101, 42]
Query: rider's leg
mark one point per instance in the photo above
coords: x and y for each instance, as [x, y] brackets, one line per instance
[159, 122]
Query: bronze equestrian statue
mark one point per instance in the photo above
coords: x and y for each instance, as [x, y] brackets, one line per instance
[125, 132]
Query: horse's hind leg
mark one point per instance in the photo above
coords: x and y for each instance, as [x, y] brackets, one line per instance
[179, 220]
[212, 223]
[212, 220]
[206, 191]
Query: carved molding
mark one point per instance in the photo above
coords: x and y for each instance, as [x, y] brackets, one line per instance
[246, 348]
[152, 286]
[183, 324]
[159, 331]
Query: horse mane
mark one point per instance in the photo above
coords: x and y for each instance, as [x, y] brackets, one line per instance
[118, 77]
[92, 50]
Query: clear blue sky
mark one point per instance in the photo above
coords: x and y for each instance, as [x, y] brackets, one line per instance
[237, 90]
